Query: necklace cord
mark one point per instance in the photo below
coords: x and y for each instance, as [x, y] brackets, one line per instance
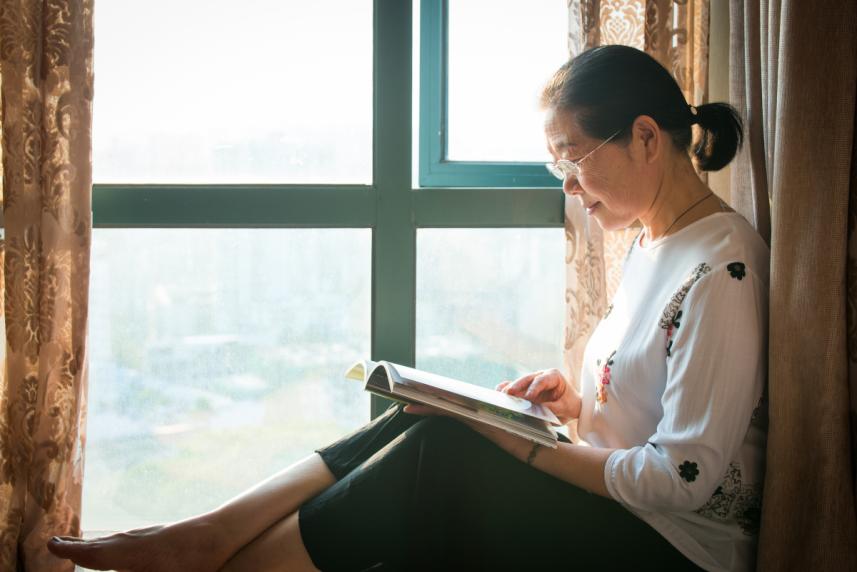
[687, 210]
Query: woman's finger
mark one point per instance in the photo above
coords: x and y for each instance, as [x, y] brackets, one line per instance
[520, 385]
[418, 409]
[542, 388]
[534, 389]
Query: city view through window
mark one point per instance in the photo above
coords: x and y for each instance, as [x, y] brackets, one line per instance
[216, 356]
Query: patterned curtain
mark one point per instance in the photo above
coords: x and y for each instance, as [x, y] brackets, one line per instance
[675, 32]
[46, 69]
[793, 76]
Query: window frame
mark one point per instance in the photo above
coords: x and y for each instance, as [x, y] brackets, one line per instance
[435, 169]
[391, 207]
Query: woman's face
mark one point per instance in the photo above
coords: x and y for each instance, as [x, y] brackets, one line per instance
[615, 182]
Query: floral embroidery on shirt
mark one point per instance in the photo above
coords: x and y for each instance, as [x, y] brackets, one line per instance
[673, 326]
[604, 379]
[735, 501]
[736, 270]
[671, 310]
[688, 471]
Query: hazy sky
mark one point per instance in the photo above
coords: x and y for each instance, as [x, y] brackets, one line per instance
[208, 77]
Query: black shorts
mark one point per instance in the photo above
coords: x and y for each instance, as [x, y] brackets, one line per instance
[429, 493]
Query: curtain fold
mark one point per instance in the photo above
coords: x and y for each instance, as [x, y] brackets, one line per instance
[46, 69]
[748, 73]
[794, 78]
[851, 310]
[675, 32]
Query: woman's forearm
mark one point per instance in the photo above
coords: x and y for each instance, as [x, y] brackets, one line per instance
[576, 464]
[581, 466]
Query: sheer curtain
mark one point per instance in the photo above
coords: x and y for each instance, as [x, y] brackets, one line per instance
[793, 75]
[675, 32]
[46, 68]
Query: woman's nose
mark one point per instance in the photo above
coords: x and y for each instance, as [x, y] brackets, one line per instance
[570, 186]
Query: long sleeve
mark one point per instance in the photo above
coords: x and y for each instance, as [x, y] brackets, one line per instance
[714, 342]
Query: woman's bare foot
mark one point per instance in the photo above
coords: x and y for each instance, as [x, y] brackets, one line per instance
[206, 542]
[187, 545]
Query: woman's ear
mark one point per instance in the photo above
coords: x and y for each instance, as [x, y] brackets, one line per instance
[647, 137]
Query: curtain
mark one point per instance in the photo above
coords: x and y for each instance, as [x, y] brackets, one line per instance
[793, 75]
[675, 32]
[46, 72]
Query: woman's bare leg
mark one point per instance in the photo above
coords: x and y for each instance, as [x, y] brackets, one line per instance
[278, 549]
[207, 541]
[246, 516]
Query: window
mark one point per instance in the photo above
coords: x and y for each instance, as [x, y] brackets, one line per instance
[212, 349]
[482, 66]
[214, 100]
[489, 301]
[240, 263]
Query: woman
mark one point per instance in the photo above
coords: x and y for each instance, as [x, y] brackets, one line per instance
[668, 469]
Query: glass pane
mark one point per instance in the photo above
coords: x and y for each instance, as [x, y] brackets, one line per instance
[490, 302]
[214, 91]
[501, 53]
[216, 359]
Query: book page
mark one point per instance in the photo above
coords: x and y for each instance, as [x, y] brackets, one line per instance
[469, 395]
[360, 370]
[530, 428]
[463, 399]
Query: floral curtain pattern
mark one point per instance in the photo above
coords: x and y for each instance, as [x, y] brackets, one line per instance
[675, 32]
[46, 68]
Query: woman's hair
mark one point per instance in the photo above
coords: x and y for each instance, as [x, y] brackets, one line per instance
[610, 86]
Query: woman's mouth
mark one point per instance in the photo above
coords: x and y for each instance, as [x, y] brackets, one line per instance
[591, 208]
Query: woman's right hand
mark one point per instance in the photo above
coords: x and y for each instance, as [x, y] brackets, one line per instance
[549, 388]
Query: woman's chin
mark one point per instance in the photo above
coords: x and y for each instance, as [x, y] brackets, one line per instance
[612, 224]
[605, 222]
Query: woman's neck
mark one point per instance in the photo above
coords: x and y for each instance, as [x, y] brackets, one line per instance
[681, 199]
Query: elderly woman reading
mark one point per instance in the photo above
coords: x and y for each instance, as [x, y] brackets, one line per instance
[668, 467]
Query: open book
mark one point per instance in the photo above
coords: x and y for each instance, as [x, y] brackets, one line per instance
[513, 414]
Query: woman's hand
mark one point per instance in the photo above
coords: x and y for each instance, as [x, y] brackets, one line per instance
[549, 388]
[420, 409]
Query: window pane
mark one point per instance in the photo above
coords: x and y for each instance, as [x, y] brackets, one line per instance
[501, 53]
[490, 302]
[210, 91]
[216, 359]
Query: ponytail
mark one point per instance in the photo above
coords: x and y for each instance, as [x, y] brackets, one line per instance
[722, 135]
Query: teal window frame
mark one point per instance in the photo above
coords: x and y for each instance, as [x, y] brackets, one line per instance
[390, 206]
[435, 169]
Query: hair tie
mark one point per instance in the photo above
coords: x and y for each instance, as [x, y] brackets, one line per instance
[695, 113]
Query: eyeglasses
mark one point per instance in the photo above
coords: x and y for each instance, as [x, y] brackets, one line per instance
[565, 167]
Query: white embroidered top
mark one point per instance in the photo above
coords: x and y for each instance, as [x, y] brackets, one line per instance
[673, 377]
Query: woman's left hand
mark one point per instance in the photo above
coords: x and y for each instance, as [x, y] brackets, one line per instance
[419, 409]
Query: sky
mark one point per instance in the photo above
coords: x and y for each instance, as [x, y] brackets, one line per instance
[281, 91]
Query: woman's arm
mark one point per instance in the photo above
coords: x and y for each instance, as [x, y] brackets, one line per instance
[575, 464]
[580, 465]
